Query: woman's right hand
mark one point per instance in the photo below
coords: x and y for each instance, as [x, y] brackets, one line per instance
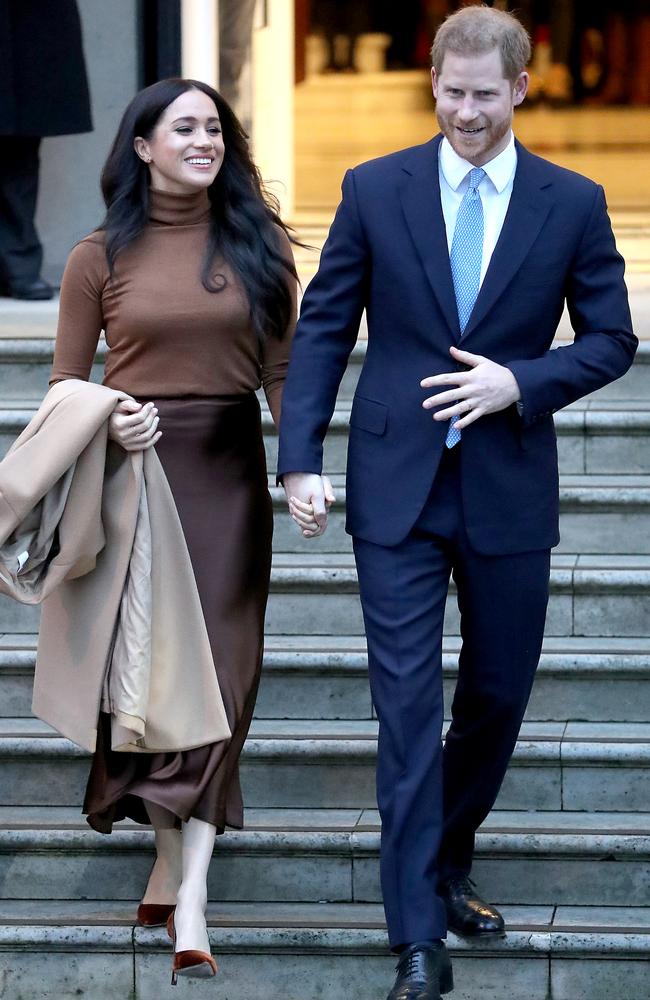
[134, 425]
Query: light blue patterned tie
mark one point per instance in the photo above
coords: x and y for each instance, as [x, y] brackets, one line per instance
[466, 257]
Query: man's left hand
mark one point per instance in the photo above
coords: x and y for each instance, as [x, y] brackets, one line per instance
[486, 388]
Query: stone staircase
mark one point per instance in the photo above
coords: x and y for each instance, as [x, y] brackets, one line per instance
[295, 909]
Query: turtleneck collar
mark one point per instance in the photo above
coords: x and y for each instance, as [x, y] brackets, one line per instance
[178, 209]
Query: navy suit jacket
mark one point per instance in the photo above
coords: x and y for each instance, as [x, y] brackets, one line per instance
[387, 252]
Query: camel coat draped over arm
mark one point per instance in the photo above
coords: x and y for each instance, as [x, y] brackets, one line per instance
[92, 532]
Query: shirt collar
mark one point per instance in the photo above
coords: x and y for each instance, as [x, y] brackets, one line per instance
[499, 170]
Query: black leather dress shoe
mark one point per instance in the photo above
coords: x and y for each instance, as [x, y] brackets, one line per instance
[467, 913]
[423, 973]
[35, 290]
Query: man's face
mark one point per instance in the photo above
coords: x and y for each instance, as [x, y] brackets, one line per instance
[474, 104]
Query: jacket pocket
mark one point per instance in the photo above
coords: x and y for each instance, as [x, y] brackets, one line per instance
[369, 415]
[541, 434]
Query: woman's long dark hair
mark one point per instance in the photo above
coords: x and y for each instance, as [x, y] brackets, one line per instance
[244, 216]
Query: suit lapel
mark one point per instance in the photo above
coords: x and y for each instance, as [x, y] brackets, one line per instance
[530, 203]
[529, 206]
[420, 195]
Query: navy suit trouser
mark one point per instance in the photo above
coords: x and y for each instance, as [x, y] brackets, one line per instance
[432, 800]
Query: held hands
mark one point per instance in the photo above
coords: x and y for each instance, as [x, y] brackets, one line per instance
[134, 425]
[486, 388]
[310, 497]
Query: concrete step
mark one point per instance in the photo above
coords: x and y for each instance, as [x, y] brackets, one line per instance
[590, 596]
[312, 677]
[54, 949]
[26, 363]
[318, 594]
[26, 366]
[594, 437]
[598, 514]
[310, 856]
[593, 767]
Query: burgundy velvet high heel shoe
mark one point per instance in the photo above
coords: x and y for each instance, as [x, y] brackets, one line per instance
[195, 964]
[154, 914]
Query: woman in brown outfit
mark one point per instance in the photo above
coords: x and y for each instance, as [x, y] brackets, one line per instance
[192, 279]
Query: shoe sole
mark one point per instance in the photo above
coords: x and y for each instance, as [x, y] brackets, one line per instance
[202, 971]
[479, 935]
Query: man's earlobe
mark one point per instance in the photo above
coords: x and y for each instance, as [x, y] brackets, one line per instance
[521, 89]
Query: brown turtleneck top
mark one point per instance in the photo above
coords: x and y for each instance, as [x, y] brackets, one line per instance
[168, 336]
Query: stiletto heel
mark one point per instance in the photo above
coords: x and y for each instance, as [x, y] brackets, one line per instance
[195, 964]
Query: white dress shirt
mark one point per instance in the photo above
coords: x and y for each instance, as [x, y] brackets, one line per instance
[495, 190]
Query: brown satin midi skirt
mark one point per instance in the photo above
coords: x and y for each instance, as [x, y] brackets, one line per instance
[212, 452]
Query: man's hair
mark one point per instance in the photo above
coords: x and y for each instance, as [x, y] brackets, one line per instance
[472, 31]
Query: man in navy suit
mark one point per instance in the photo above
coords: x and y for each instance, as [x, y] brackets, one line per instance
[463, 252]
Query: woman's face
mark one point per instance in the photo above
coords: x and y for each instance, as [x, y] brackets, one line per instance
[186, 150]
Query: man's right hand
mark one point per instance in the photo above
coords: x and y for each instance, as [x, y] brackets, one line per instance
[309, 496]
